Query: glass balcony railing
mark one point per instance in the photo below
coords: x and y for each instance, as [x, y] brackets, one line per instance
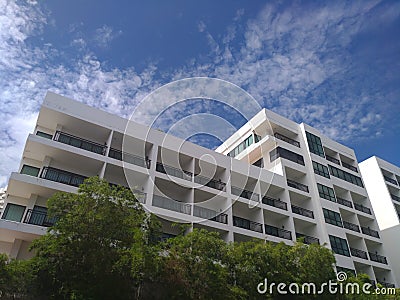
[174, 171]
[302, 211]
[212, 183]
[344, 202]
[78, 142]
[286, 139]
[362, 208]
[210, 214]
[62, 176]
[378, 258]
[332, 159]
[395, 198]
[297, 185]
[39, 218]
[391, 180]
[247, 224]
[351, 226]
[350, 167]
[370, 232]
[129, 158]
[278, 232]
[274, 202]
[358, 253]
[307, 239]
[171, 204]
[244, 193]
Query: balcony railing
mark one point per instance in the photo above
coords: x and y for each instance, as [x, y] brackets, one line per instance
[350, 167]
[62, 176]
[332, 159]
[358, 253]
[212, 183]
[274, 202]
[351, 226]
[362, 208]
[307, 239]
[344, 202]
[210, 214]
[169, 170]
[378, 258]
[278, 232]
[297, 185]
[78, 142]
[286, 139]
[140, 196]
[370, 232]
[40, 218]
[129, 158]
[244, 193]
[386, 284]
[171, 204]
[302, 211]
[247, 224]
[395, 198]
[388, 179]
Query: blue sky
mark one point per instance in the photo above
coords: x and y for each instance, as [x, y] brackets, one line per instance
[332, 64]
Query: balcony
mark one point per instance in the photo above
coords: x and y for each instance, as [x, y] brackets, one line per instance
[332, 159]
[395, 198]
[78, 142]
[39, 218]
[344, 202]
[370, 232]
[307, 239]
[140, 196]
[388, 179]
[386, 284]
[378, 258]
[286, 139]
[244, 193]
[129, 158]
[350, 167]
[358, 253]
[351, 226]
[212, 183]
[274, 202]
[247, 224]
[171, 204]
[302, 211]
[362, 208]
[210, 214]
[62, 176]
[297, 185]
[173, 171]
[278, 232]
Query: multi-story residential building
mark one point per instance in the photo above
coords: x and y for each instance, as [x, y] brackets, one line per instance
[382, 181]
[3, 195]
[274, 180]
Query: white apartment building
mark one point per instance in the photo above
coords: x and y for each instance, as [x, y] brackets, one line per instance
[382, 180]
[274, 180]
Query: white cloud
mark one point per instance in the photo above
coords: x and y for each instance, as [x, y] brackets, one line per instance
[104, 35]
[201, 26]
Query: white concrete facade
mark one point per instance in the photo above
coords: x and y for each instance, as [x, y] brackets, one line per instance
[277, 199]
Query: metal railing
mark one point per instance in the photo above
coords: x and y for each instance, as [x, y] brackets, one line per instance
[40, 218]
[62, 176]
[388, 179]
[244, 193]
[358, 253]
[78, 142]
[169, 170]
[386, 284]
[286, 139]
[210, 214]
[297, 185]
[278, 232]
[129, 158]
[370, 232]
[344, 202]
[307, 239]
[378, 258]
[350, 167]
[351, 226]
[212, 183]
[302, 211]
[247, 224]
[274, 202]
[332, 159]
[362, 208]
[171, 204]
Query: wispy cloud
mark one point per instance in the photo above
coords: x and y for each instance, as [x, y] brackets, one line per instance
[105, 35]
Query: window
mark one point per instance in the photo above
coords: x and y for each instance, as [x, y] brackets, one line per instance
[284, 153]
[45, 135]
[243, 145]
[320, 169]
[345, 176]
[29, 170]
[13, 212]
[326, 192]
[332, 217]
[314, 144]
[339, 245]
